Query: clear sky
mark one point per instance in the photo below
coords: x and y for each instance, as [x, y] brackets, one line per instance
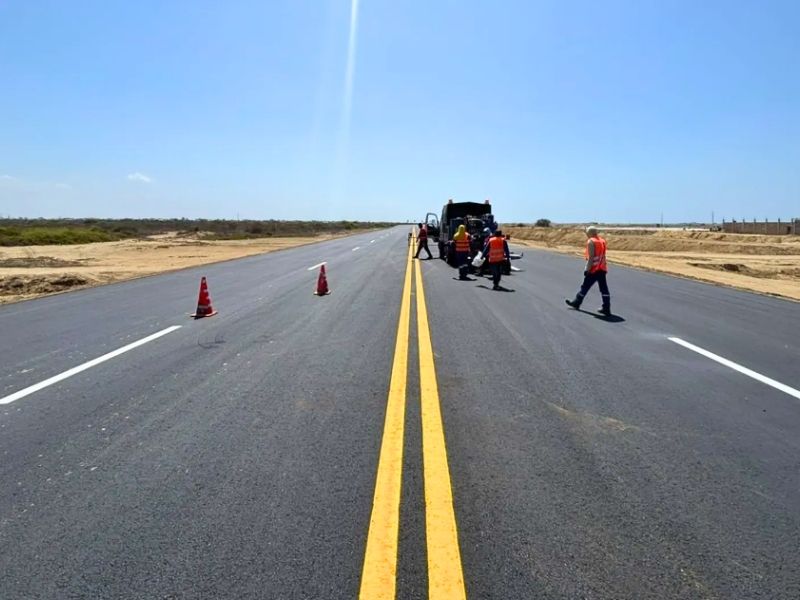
[614, 110]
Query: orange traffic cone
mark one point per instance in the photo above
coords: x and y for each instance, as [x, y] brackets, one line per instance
[204, 308]
[322, 283]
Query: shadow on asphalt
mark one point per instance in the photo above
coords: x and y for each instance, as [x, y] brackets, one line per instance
[602, 317]
[465, 279]
[499, 289]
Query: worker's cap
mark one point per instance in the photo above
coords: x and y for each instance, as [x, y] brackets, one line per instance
[591, 230]
[498, 232]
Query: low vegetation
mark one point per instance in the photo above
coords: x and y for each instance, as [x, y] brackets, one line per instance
[38, 232]
[55, 235]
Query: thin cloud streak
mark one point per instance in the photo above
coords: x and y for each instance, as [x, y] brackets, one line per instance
[343, 144]
[350, 74]
[140, 177]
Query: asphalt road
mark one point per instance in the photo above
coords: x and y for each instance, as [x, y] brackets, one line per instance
[237, 456]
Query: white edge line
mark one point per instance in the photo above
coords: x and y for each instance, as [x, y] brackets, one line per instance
[317, 266]
[87, 365]
[736, 367]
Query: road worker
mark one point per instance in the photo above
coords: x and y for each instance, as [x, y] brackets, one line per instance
[496, 253]
[594, 271]
[422, 240]
[461, 239]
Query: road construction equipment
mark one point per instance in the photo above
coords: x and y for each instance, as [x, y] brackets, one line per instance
[478, 219]
[204, 308]
[322, 282]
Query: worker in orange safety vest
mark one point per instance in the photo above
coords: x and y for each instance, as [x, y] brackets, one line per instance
[496, 252]
[595, 271]
[461, 240]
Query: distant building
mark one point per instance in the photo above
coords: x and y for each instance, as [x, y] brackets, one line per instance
[779, 227]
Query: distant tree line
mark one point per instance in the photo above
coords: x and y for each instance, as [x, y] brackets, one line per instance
[30, 232]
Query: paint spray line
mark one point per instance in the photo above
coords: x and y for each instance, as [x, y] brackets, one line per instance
[379, 574]
[87, 365]
[737, 367]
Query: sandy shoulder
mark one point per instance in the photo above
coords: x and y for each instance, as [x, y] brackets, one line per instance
[772, 274]
[31, 271]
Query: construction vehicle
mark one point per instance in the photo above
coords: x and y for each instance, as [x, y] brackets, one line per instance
[479, 222]
[432, 225]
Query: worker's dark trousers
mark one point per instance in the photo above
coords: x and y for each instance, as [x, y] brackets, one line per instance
[588, 281]
[462, 262]
[497, 271]
[423, 244]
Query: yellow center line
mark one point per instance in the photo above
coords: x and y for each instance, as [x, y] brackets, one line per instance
[378, 579]
[445, 576]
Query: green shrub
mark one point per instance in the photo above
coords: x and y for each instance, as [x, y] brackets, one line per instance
[42, 236]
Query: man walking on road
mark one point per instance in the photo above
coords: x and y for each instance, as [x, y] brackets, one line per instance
[496, 249]
[422, 240]
[595, 271]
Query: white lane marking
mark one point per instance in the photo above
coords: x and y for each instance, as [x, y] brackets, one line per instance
[87, 365]
[372, 241]
[737, 367]
[317, 266]
[356, 248]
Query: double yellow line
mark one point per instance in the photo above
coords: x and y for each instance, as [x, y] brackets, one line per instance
[445, 576]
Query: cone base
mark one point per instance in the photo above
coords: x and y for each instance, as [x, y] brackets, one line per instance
[200, 316]
[328, 293]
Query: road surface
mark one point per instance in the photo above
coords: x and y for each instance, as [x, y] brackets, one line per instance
[368, 444]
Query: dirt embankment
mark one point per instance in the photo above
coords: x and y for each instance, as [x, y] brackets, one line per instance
[31, 271]
[768, 264]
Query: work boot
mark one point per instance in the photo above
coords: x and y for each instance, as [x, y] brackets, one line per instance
[573, 303]
[606, 308]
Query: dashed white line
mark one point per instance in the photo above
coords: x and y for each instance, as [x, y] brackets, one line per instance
[317, 266]
[372, 241]
[87, 365]
[356, 248]
[737, 367]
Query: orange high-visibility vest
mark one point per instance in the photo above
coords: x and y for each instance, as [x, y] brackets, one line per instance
[462, 244]
[599, 258]
[496, 253]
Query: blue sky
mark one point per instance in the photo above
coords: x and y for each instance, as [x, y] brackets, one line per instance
[612, 111]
